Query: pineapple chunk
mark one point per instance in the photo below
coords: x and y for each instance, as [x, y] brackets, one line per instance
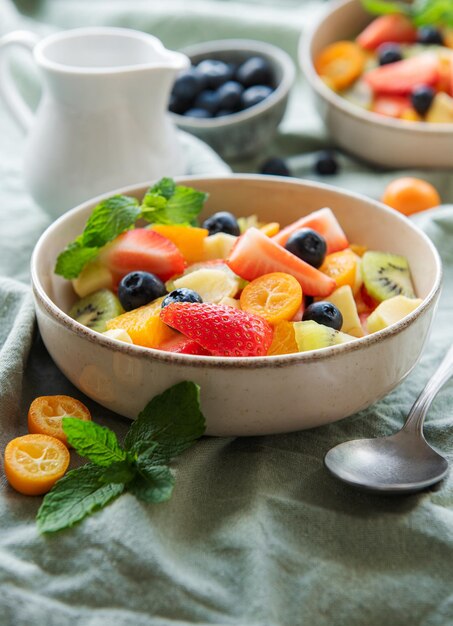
[228, 301]
[311, 336]
[218, 246]
[441, 110]
[343, 299]
[391, 311]
[119, 334]
[211, 284]
[93, 277]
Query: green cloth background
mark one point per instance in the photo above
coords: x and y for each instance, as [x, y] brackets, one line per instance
[257, 532]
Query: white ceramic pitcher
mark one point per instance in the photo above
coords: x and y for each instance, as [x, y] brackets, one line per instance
[101, 121]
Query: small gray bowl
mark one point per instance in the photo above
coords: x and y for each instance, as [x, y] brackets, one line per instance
[245, 133]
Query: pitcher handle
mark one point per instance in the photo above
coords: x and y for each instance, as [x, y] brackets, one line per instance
[9, 92]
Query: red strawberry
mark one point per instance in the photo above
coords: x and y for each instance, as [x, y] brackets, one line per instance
[143, 249]
[401, 77]
[386, 29]
[323, 222]
[391, 106]
[222, 330]
[255, 254]
[183, 345]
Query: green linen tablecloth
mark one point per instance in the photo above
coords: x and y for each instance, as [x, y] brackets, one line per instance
[257, 532]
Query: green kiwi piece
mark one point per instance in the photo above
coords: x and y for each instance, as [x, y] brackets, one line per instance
[386, 275]
[97, 309]
[310, 335]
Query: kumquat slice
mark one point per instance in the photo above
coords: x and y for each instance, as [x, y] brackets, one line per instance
[46, 413]
[340, 64]
[341, 266]
[34, 463]
[275, 297]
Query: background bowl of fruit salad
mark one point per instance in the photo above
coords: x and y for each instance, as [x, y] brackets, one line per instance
[292, 304]
[383, 86]
[234, 95]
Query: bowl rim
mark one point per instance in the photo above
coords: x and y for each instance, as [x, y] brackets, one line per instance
[306, 63]
[153, 354]
[248, 45]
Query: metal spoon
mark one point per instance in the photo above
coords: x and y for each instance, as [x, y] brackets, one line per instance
[401, 463]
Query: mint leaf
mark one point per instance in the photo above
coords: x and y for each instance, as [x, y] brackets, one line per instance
[109, 219]
[73, 259]
[422, 12]
[167, 203]
[172, 419]
[154, 483]
[384, 7]
[119, 472]
[95, 442]
[79, 493]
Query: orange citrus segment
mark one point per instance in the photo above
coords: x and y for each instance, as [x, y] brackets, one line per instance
[409, 195]
[46, 413]
[275, 297]
[270, 229]
[188, 239]
[144, 326]
[341, 266]
[34, 463]
[284, 340]
[340, 64]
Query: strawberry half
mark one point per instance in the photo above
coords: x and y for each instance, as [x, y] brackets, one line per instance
[323, 222]
[222, 330]
[387, 29]
[143, 249]
[391, 106]
[184, 345]
[255, 254]
[401, 77]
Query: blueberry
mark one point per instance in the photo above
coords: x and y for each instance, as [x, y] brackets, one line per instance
[215, 73]
[200, 113]
[275, 167]
[324, 313]
[430, 35]
[182, 295]
[255, 71]
[222, 222]
[229, 95]
[208, 100]
[389, 53]
[308, 245]
[326, 163]
[139, 288]
[178, 105]
[254, 95]
[189, 84]
[422, 98]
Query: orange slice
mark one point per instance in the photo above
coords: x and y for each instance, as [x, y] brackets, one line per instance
[341, 266]
[188, 239]
[46, 413]
[284, 340]
[34, 463]
[275, 297]
[340, 64]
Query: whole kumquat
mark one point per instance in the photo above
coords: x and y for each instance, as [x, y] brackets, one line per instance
[46, 413]
[410, 195]
[34, 463]
[275, 297]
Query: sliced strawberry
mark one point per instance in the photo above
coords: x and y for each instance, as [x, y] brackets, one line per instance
[222, 330]
[184, 345]
[401, 77]
[385, 29]
[255, 254]
[323, 222]
[143, 249]
[391, 106]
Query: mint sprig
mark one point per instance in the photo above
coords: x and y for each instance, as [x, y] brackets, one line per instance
[421, 12]
[164, 203]
[169, 424]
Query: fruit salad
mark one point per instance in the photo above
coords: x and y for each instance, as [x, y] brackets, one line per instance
[399, 66]
[150, 274]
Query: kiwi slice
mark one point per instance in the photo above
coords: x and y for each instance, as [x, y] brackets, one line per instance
[386, 275]
[311, 336]
[97, 309]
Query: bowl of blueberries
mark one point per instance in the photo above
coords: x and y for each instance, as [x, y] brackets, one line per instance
[234, 95]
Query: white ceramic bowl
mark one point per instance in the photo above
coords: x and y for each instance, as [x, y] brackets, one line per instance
[247, 396]
[245, 133]
[380, 140]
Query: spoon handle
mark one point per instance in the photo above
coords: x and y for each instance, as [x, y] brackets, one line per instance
[420, 408]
